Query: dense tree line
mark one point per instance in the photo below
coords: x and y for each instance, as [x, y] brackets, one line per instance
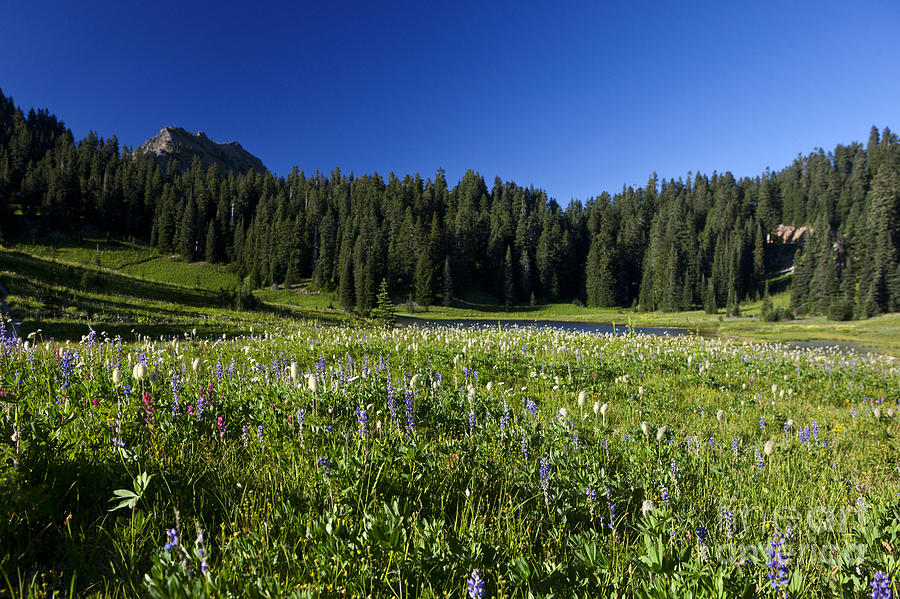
[669, 245]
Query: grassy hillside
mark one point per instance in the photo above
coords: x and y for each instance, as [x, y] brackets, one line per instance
[60, 289]
[135, 260]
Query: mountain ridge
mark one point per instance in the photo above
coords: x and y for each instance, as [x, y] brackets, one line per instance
[181, 145]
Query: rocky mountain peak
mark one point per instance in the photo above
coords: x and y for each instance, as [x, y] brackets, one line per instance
[182, 145]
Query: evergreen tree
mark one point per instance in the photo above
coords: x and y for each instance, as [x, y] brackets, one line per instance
[346, 294]
[824, 285]
[187, 240]
[759, 258]
[525, 274]
[509, 288]
[212, 251]
[709, 299]
[447, 288]
[884, 238]
[803, 260]
[767, 310]
[384, 308]
[364, 273]
[600, 284]
[546, 258]
[424, 276]
[292, 275]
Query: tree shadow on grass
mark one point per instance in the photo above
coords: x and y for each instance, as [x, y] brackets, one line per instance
[76, 277]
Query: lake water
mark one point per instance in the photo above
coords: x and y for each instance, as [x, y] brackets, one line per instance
[561, 325]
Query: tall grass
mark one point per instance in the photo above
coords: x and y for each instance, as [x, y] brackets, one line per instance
[358, 461]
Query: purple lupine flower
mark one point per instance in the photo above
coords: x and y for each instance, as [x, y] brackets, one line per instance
[324, 463]
[245, 435]
[471, 423]
[675, 475]
[815, 431]
[881, 585]
[67, 364]
[504, 420]
[735, 444]
[777, 564]
[759, 459]
[410, 421]
[762, 423]
[476, 585]
[172, 535]
[362, 420]
[702, 534]
[664, 494]
[525, 446]
[545, 474]
[392, 402]
[117, 441]
[176, 387]
[201, 549]
[728, 515]
[612, 512]
[531, 408]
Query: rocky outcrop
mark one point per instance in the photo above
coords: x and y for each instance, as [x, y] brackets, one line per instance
[182, 146]
[790, 234]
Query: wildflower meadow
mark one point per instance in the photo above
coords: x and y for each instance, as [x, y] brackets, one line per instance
[342, 461]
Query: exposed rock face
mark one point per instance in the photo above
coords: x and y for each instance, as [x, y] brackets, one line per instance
[789, 234]
[180, 145]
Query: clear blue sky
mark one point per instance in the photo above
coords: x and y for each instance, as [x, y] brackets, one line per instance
[577, 98]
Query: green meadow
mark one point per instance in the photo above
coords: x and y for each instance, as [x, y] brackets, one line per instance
[308, 459]
[163, 436]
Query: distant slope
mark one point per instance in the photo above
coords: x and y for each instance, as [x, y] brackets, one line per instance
[182, 146]
[123, 289]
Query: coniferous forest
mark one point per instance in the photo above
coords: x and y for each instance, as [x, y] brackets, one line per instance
[704, 241]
